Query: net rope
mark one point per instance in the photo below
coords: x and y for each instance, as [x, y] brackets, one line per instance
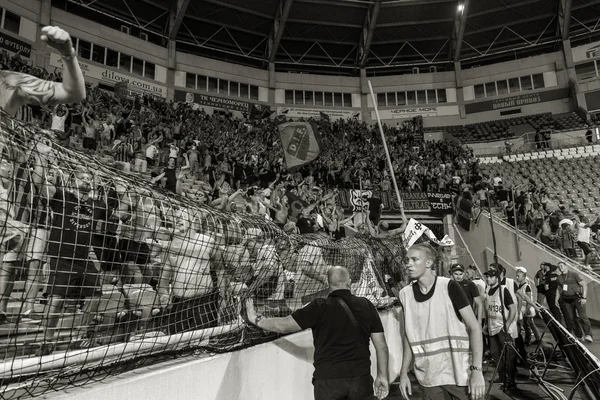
[102, 272]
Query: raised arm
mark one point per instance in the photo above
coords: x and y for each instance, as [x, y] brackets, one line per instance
[32, 90]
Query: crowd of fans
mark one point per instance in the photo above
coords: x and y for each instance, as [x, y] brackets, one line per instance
[538, 213]
[195, 264]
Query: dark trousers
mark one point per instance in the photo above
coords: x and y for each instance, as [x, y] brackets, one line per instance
[445, 392]
[551, 300]
[496, 342]
[575, 315]
[357, 388]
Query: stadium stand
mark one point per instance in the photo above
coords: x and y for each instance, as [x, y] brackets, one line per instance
[501, 129]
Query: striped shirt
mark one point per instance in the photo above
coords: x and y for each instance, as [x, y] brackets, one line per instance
[25, 114]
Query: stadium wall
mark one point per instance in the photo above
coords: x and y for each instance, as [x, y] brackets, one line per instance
[527, 254]
[282, 368]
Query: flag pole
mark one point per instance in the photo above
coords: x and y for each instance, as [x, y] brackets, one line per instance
[387, 154]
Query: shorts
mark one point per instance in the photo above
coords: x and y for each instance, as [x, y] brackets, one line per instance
[585, 247]
[150, 161]
[191, 314]
[135, 252]
[89, 143]
[30, 249]
[71, 278]
[108, 253]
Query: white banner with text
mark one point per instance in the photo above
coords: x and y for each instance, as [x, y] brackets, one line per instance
[108, 75]
[414, 111]
[317, 113]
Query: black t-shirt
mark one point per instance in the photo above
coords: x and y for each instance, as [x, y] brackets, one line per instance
[339, 350]
[171, 183]
[506, 296]
[457, 295]
[470, 289]
[73, 223]
[374, 207]
[305, 225]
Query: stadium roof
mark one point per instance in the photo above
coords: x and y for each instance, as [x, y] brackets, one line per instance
[341, 36]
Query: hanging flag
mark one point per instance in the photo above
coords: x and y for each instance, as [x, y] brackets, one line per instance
[324, 116]
[301, 143]
[121, 89]
[258, 111]
[463, 210]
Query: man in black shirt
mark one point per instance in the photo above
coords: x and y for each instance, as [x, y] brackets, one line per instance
[72, 274]
[342, 356]
[375, 207]
[470, 289]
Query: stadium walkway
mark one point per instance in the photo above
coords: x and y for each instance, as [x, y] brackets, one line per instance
[529, 389]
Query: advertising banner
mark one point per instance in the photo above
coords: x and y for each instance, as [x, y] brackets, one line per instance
[414, 111]
[353, 200]
[356, 201]
[315, 113]
[105, 74]
[15, 45]
[213, 101]
[590, 51]
[517, 101]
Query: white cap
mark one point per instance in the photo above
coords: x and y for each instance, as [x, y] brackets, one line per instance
[521, 269]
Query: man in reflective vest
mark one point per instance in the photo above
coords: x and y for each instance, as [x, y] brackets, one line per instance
[501, 316]
[441, 333]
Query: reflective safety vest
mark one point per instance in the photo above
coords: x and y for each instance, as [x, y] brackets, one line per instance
[438, 339]
[494, 309]
[526, 309]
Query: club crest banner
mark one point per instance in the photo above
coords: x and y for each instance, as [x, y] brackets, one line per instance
[301, 143]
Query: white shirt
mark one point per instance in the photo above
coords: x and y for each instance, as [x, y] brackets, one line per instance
[583, 234]
[151, 151]
[58, 123]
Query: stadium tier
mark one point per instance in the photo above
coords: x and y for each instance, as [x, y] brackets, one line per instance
[505, 128]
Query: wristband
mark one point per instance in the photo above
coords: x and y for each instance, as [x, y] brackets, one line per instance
[70, 56]
[474, 368]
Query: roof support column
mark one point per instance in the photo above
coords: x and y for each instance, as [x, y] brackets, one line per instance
[272, 83]
[365, 95]
[366, 35]
[281, 16]
[41, 48]
[176, 17]
[460, 97]
[458, 31]
[564, 18]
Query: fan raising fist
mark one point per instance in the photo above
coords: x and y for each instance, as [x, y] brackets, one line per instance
[58, 39]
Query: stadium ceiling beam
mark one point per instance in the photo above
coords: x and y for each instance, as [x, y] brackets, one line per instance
[324, 23]
[238, 8]
[366, 35]
[357, 4]
[281, 17]
[176, 17]
[564, 17]
[458, 31]
[504, 7]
